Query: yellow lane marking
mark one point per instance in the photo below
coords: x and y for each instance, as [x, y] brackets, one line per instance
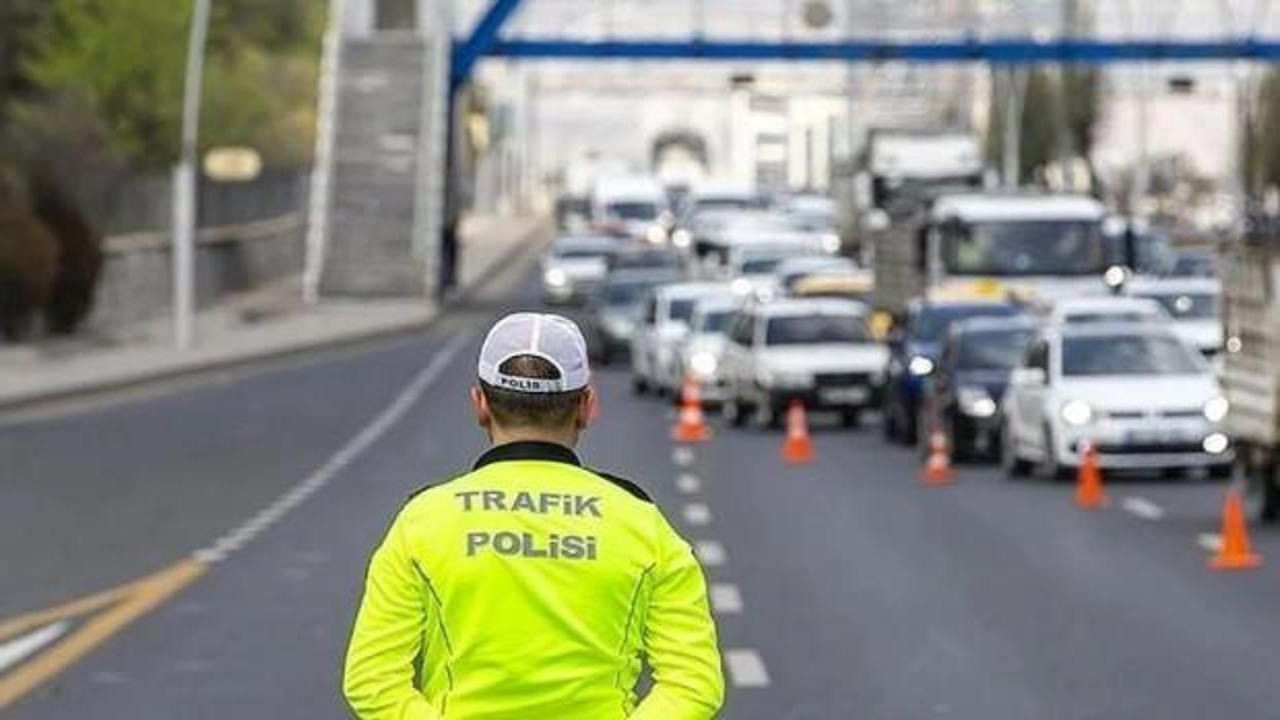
[115, 609]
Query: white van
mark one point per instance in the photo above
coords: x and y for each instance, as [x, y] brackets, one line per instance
[632, 206]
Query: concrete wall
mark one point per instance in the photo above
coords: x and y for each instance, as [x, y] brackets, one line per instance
[136, 276]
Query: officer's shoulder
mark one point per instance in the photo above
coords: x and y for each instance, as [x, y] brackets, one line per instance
[631, 488]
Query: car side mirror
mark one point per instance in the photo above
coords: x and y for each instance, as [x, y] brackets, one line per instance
[1029, 376]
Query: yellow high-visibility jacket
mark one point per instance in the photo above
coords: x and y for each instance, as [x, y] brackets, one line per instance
[531, 588]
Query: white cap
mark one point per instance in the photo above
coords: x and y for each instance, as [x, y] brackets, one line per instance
[553, 338]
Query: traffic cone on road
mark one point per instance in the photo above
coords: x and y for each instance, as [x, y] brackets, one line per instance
[797, 448]
[1089, 493]
[691, 426]
[937, 466]
[1236, 552]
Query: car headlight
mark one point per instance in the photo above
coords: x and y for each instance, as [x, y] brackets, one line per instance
[556, 277]
[704, 363]
[1076, 412]
[831, 243]
[656, 234]
[682, 238]
[740, 286]
[976, 402]
[1216, 443]
[920, 366]
[1215, 410]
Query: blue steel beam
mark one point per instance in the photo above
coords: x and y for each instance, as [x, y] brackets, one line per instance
[481, 42]
[997, 51]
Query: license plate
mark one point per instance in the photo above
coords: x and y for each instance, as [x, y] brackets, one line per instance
[844, 395]
[1155, 437]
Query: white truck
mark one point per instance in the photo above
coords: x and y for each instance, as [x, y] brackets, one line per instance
[1036, 247]
[899, 171]
[1250, 271]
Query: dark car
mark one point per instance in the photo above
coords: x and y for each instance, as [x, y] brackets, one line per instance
[913, 354]
[965, 391]
[615, 309]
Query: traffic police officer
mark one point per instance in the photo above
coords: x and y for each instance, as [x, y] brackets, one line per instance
[532, 587]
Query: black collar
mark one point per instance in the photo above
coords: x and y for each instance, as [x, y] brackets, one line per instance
[528, 450]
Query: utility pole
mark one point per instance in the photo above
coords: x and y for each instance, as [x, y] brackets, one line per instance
[184, 183]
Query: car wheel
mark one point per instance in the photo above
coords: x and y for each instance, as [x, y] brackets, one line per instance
[766, 418]
[605, 354]
[1014, 466]
[638, 385]
[961, 443]
[888, 422]
[909, 433]
[1050, 468]
[851, 418]
[734, 412]
[1262, 493]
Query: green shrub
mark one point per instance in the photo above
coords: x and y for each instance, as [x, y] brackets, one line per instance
[28, 267]
[79, 259]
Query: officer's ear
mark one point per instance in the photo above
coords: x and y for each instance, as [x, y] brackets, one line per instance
[588, 408]
[484, 418]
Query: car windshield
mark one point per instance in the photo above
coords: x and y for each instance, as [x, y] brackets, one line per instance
[1127, 354]
[816, 329]
[1188, 306]
[581, 253]
[1094, 316]
[992, 349]
[759, 266]
[654, 259]
[714, 322]
[632, 210]
[932, 322]
[1194, 265]
[1026, 248]
[681, 310]
[625, 293]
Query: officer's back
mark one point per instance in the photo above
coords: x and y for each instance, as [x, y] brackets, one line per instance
[531, 587]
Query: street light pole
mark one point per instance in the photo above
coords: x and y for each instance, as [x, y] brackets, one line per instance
[184, 183]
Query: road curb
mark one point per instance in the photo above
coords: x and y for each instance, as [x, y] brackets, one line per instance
[521, 253]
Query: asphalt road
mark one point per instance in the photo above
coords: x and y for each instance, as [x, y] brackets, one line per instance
[844, 589]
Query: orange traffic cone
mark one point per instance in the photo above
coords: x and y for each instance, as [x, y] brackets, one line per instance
[1089, 493]
[937, 467]
[1236, 552]
[797, 449]
[691, 427]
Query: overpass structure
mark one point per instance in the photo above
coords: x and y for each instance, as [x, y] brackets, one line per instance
[389, 180]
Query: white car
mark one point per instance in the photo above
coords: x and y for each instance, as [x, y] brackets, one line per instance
[1192, 303]
[701, 354]
[1076, 311]
[818, 352]
[751, 267]
[664, 323]
[574, 267]
[1143, 397]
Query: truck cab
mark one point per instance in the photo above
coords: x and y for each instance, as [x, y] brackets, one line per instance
[1039, 248]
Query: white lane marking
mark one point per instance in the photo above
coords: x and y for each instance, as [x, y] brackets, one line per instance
[688, 484]
[682, 456]
[746, 668]
[697, 514]
[355, 447]
[725, 598]
[1143, 508]
[711, 553]
[18, 649]
[1210, 541]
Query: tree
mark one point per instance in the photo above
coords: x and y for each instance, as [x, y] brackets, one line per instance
[1041, 117]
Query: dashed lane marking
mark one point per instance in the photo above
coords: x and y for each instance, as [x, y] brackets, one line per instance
[711, 553]
[726, 599]
[1210, 541]
[688, 484]
[38, 646]
[371, 434]
[682, 456]
[697, 514]
[1142, 508]
[746, 668]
